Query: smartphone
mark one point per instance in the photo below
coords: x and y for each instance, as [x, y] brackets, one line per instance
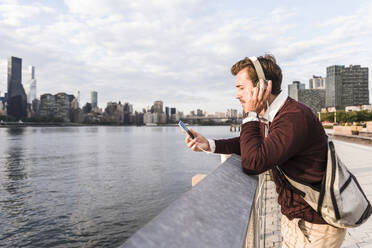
[182, 125]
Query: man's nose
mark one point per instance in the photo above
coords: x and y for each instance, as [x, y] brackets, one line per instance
[237, 96]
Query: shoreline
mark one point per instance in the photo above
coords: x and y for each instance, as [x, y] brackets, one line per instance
[20, 125]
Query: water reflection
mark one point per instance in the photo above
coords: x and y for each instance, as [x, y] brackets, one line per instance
[13, 176]
[15, 166]
[15, 170]
[15, 131]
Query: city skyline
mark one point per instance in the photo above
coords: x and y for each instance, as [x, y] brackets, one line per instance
[180, 52]
[313, 93]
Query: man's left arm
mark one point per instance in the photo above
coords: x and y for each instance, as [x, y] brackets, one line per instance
[288, 135]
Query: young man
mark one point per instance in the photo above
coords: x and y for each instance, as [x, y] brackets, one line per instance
[294, 140]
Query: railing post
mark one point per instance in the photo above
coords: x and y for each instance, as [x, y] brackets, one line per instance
[265, 217]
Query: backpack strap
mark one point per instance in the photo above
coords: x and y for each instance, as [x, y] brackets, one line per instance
[283, 179]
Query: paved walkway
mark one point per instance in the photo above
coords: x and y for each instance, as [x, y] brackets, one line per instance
[358, 158]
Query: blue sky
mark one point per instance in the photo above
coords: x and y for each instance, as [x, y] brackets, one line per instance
[177, 51]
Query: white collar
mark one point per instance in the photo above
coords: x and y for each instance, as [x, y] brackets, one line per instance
[275, 106]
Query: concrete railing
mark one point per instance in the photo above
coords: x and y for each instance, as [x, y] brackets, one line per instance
[346, 130]
[214, 213]
[369, 126]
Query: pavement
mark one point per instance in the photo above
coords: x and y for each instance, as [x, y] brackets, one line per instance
[358, 159]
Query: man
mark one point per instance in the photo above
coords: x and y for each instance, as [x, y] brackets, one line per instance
[294, 140]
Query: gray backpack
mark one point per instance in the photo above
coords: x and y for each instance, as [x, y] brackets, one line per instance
[341, 201]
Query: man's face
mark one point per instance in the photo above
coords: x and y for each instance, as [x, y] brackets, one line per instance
[244, 86]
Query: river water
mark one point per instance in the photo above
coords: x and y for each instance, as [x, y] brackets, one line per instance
[91, 186]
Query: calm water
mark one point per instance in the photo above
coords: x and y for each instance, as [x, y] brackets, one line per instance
[91, 186]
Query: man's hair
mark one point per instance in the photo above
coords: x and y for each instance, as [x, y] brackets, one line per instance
[271, 69]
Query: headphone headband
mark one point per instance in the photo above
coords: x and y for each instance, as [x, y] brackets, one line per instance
[258, 67]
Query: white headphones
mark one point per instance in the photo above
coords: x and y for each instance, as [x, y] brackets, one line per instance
[258, 67]
[260, 73]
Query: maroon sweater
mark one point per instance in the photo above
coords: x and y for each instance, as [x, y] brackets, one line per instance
[296, 143]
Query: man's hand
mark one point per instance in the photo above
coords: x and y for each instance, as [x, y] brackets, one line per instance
[258, 98]
[198, 144]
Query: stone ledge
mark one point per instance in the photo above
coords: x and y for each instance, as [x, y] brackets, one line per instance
[214, 213]
[352, 138]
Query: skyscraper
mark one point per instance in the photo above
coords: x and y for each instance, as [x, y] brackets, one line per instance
[77, 96]
[313, 98]
[17, 99]
[173, 111]
[346, 86]
[62, 106]
[167, 112]
[47, 105]
[31, 92]
[293, 89]
[158, 107]
[94, 99]
[317, 82]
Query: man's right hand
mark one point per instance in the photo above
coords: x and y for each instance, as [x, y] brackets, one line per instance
[200, 143]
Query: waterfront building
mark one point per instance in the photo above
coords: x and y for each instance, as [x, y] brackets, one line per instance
[62, 107]
[75, 104]
[199, 112]
[2, 108]
[114, 112]
[31, 86]
[148, 118]
[87, 108]
[131, 110]
[293, 89]
[16, 98]
[220, 115]
[367, 107]
[128, 113]
[154, 118]
[346, 86]
[313, 98]
[173, 115]
[77, 115]
[353, 108]
[3, 105]
[173, 111]
[317, 82]
[47, 105]
[77, 96]
[179, 115]
[35, 106]
[159, 118]
[138, 118]
[158, 107]
[232, 113]
[94, 99]
[167, 112]
[71, 97]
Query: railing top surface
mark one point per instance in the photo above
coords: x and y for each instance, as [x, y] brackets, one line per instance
[215, 213]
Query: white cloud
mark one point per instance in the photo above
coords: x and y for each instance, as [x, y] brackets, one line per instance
[178, 51]
[13, 13]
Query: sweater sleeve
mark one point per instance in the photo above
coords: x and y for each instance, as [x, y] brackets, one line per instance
[287, 136]
[228, 146]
